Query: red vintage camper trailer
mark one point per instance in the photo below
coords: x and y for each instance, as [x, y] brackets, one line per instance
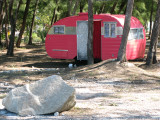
[67, 38]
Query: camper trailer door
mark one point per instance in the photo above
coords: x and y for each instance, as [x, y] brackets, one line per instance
[82, 37]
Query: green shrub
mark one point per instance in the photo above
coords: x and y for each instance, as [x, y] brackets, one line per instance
[42, 35]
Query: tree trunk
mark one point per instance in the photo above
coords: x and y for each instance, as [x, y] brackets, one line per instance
[155, 53]
[82, 4]
[56, 16]
[122, 50]
[101, 10]
[10, 50]
[1, 11]
[55, 19]
[6, 32]
[69, 7]
[54, 12]
[75, 7]
[90, 33]
[154, 36]
[1, 17]
[1, 40]
[123, 3]
[23, 24]
[6, 24]
[32, 23]
[113, 7]
[150, 31]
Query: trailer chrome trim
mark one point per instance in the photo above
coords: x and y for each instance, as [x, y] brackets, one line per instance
[102, 30]
[60, 50]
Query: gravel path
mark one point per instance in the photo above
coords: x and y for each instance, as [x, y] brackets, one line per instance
[107, 99]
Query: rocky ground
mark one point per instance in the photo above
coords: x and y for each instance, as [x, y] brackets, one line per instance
[106, 90]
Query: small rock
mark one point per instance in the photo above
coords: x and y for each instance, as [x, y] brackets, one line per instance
[62, 114]
[56, 114]
[6, 84]
[27, 80]
[75, 65]
[70, 65]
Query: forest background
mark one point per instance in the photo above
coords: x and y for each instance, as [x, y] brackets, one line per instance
[29, 21]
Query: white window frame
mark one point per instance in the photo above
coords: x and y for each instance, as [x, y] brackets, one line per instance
[110, 23]
[58, 31]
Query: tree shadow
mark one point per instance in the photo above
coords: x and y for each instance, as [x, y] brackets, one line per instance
[48, 65]
[87, 96]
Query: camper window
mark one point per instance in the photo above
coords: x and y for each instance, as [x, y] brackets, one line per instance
[58, 29]
[141, 34]
[110, 29]
[113, 30]
[107, 30]
[136, 34]
[133, 34]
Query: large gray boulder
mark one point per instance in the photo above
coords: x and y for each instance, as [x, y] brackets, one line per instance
[45, 96]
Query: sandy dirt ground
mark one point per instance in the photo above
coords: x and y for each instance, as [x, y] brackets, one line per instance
[106, 90]
[110, 99]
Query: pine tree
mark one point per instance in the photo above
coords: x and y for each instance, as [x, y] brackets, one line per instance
[122, 50]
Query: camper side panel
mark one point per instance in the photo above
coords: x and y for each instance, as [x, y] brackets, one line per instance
[136, 47]
[61, 46]
[61, 40]
[136, 40]
[111, 37]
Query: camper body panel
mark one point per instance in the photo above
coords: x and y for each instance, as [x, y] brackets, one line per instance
[61, 46]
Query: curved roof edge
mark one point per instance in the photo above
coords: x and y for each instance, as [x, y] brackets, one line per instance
[135, 23]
